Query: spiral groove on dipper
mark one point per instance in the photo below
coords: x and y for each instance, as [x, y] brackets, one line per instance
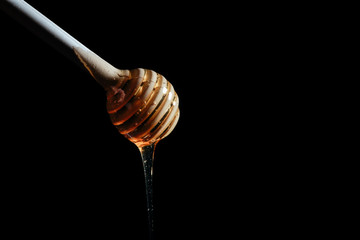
[149, 110]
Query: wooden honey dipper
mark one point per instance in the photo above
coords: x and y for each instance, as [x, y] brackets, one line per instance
[142, 104]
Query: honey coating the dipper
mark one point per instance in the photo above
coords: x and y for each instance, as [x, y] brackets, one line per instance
[141, 103]
[149, 109]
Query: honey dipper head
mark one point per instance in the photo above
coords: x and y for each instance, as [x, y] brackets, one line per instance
[142, 104]
[144, 107]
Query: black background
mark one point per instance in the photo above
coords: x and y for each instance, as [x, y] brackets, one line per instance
[68, 172]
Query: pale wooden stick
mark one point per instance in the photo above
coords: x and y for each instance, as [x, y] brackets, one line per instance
[25, 14]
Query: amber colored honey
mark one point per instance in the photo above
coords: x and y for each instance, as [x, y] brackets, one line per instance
[148, 110]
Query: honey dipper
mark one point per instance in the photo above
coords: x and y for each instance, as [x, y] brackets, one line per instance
[142, 104]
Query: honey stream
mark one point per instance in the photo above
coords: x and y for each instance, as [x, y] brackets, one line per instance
[147, 155]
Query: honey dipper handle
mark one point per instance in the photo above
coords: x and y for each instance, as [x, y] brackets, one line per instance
[103, 72]
[43, 27]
